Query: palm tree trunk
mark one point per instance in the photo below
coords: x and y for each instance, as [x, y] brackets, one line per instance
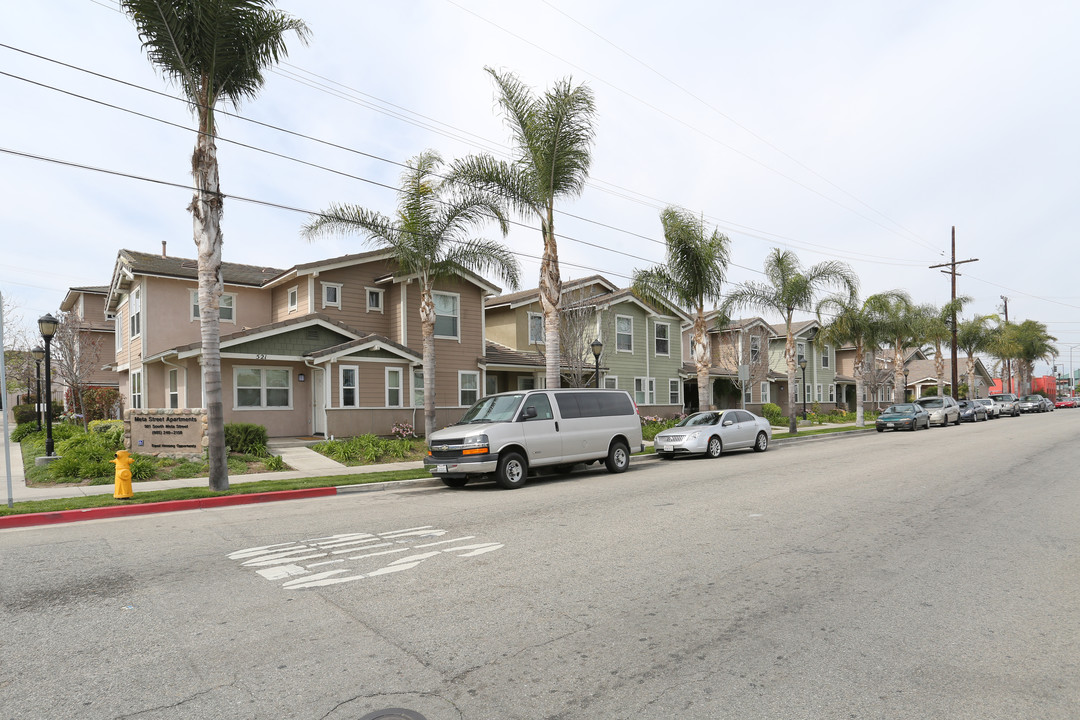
[971, 377]
[427, 330]
[205, 210]
[550, 296]
[702, 361]
[899, 387]
[939, 369]
[860, 413]
[789, 355]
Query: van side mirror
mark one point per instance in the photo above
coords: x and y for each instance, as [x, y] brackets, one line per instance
[529, 412]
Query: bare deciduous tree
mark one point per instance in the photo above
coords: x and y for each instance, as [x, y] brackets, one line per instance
[76, 355]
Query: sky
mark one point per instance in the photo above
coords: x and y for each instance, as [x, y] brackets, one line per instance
[862, 132]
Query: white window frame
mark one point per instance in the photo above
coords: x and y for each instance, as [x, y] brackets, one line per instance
[462, 374]
[491, 384]
[355, 387]
[755, 348]
[748, 393]
[800, 353]
[645, 388]
[135, 313]
[763, 390]
[824, 356]
[292, 298]
[417, 376]
[381, 302]
[832, 393]
[326, 286]
[392, 371]
[456, 316]
[230, 297]
[631, 333]
[819, 394]
[526, 382]
[118, 331]
[674, 398]
[611, 382]
[135, 385]
[809, 392]
[797, 393]
[657, 339]
[173, 395]
[263, 387]
[532, 337]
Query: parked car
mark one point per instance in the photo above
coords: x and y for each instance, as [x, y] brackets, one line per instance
[993, 409]
[1032, 403]
[508, 434]
[1065, 402]
[943, 410]
[1010, 404]
[971, 411]
[908, 416]
[1048, 404]
[712, 432]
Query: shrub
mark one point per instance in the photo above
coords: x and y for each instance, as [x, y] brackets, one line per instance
[25, 414]
[772, 413]
[366, 448]
[98, 403]
[23, 430]
[274, 463]
[85, 455]
[246, 438]
[142, 467]
[403, 430]
[652, 425]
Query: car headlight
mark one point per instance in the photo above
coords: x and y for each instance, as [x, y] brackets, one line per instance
[694, 435]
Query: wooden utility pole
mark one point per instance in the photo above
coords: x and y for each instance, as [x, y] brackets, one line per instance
[1008, 363]
[952, 271]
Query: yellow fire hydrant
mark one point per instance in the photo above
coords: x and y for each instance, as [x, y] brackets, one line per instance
[122, 489]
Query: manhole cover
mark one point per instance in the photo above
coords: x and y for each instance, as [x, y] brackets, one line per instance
[393, 714]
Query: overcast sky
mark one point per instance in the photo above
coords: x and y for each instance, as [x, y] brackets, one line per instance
[854, 131]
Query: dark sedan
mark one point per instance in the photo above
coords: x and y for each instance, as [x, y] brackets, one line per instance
[908, 416]
[971, 411]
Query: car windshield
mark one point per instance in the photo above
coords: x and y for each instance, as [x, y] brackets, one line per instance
[1033, 398]
[901, 409]
[932, 402]
[984, 401]
[701, 418]
[1001, 397]
[496, 408]
[966, 403]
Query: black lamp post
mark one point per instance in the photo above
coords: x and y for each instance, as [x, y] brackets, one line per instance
[47, 324]
[597, 348]
[38, 354]
[802, 364]
[905, 384]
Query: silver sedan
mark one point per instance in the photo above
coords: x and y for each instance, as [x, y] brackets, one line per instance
[712, 432]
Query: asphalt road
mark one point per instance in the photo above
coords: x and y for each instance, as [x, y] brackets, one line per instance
[897, 575]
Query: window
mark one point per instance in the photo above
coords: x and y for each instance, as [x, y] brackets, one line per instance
[468, 387]
[226, 309]
[796, 386]
[446, 316]
[393, 387]
[661, 331]
[542, 405]
[624, 334]
[374, 300]
[644, 391]
[764, 390]
[418, 387]
[832, 393]
[348, 377]
[536, 329]
[262, 388]
[174, 388]
[526, 383]
[809, 393]
[135, 313]
[331, 295]
[292, 299]
[674, 392]
[755, 348]
[825, 356]
[136, 389]
[611, 382]
[818, 396]
[800, 352]
[748, 393]
[492, 385]
[118, 331]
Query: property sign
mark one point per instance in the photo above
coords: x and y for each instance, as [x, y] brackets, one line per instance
[165, 431]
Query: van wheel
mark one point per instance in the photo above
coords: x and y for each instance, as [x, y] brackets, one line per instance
[715, 448]
[762, 443]
[455, 482]
[618, 457]
[511, 471]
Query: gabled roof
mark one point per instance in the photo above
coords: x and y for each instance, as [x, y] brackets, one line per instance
[798, 327]
[498, 354]
[73, 294]
[257, 333]
[740, 324]
[368, 342]
[527, 297]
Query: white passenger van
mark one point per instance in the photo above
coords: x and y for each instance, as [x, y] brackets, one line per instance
[511, 433]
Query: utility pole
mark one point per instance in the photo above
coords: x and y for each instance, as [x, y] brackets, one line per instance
[952, 271]
[1008, 362]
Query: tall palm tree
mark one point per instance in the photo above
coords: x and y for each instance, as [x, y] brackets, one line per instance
[855, 323]
[553, 136]
[901, 322]
[788, 288]
[1033, 343]
[973, 336]
[1003, 347]
[693, 275]
[430, 240]
[216, 50]
[937, 330]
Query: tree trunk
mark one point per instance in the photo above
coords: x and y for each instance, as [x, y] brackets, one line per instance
[702, 361]
[205, 210]
[939, 369]
[550, 297]
[971, 377]
[860, 413]
[789, 356]
[427, 325]
[899, 386]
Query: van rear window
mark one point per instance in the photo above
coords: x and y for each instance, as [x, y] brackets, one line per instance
[593, 404]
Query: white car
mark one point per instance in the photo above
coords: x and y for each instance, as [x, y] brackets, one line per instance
[712, 432]
[993, 410]
[943, 410]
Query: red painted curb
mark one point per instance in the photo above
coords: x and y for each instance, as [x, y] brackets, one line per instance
[65, 516]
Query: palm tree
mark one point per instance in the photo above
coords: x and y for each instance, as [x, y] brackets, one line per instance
[973, 336]
[216, 50]
[901, 323]
[855, 323]
[1003, 347]
[1033, 343]
[553, 137]
[788, 288]
[429, 240]
[937, 330]
[694, 274]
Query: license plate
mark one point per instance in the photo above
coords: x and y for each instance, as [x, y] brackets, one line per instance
[892, 424]
[668, 448]
[440, 468]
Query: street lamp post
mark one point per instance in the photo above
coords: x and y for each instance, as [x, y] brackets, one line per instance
[802, 364]
[47, 324]
[906, 371]
[597, 348]
[38, 354]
